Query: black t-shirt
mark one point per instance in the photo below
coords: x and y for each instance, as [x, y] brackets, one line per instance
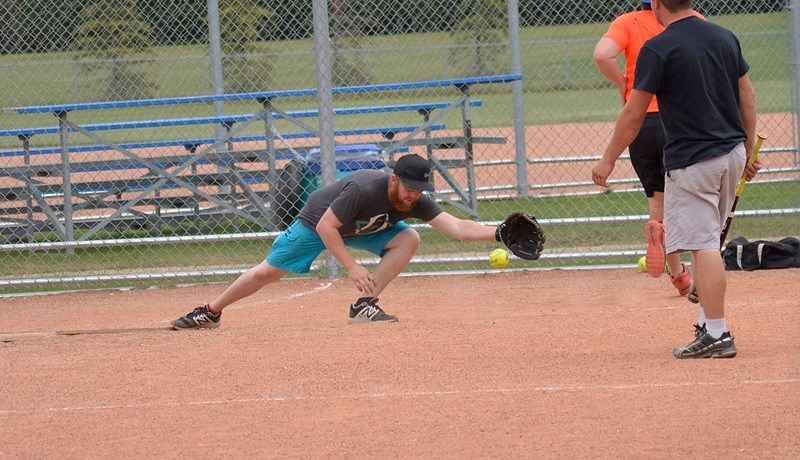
[693, 67]
[360, 201]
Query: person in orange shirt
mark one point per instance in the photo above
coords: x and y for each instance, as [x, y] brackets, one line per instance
[626, 34]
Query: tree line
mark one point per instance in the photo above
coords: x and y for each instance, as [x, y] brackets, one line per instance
[41, 26]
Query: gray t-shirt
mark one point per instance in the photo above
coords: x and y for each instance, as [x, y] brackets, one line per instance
[361, 202]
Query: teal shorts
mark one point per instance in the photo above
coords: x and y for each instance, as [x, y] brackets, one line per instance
[295, 249]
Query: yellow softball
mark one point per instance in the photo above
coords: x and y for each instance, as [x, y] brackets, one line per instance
[643, 264]
[498, 258]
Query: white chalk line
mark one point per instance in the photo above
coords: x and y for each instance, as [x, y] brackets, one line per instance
[402, 394]
[321, 287]
[13, 336]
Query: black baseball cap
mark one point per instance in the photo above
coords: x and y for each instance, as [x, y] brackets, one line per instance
[414, 172]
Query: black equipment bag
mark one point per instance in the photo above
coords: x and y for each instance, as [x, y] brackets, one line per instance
[740, 254]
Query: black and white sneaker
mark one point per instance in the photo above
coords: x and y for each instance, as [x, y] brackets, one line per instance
[706, 346]
[366, 310]
[199, 318]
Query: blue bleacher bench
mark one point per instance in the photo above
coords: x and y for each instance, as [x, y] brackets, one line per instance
[179, 171]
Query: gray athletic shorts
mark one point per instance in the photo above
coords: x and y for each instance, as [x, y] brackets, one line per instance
[697, 200]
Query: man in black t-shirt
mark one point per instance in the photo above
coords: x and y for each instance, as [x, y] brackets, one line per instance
[707, 104]
[364, 210]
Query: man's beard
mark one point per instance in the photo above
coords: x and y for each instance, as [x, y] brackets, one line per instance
[399, 204]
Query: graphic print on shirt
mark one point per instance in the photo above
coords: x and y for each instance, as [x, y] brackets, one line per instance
[374, 224]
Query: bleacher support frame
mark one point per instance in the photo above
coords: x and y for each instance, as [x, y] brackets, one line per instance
[62, 219]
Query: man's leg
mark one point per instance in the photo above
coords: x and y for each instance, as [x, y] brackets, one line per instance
[399, 252]
[208, 316]
[657, 213]
[712, 339]
[294, 250]
[395, 255]
[646, 153]
[247, 284]
[711, 282]
[694, 205]
[679, 274]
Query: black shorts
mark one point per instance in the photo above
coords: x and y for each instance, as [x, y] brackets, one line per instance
[647, 154]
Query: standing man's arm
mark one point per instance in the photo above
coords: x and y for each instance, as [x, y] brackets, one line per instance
[628, 125]
[605, 58]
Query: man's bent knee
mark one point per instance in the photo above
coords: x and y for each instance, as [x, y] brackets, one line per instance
[408, 238]
[266, 273]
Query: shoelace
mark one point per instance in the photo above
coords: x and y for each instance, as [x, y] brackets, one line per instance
[369, 303]
[699, 330]
[200, 314]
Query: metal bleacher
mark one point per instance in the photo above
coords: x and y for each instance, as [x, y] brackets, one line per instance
[234, 174]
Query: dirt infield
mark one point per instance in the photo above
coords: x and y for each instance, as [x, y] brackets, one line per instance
[533, 364]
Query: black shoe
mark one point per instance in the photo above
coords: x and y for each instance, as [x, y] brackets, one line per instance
[366, 310]
[199, 318]
[693, 297]
[706, 346]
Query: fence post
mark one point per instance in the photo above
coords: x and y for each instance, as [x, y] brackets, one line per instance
[469, 153]
[322, 50]
[794, 10]
[26, 147]
[215, 52]
[63, 131]
[272, 172]
[516, 91]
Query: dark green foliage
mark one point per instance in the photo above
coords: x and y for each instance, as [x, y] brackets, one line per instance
[114, 37]
[36, 26]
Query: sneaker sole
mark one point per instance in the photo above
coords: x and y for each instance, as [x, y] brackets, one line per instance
[181, 328]
[724, 354]
[655, 258]
[713, 354]
[364, 321]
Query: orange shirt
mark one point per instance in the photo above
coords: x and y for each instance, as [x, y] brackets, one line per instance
[629, 31]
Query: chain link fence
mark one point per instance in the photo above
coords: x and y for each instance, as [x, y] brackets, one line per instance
[170, 141]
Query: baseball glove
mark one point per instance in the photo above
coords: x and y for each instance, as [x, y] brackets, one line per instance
[522, 235]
